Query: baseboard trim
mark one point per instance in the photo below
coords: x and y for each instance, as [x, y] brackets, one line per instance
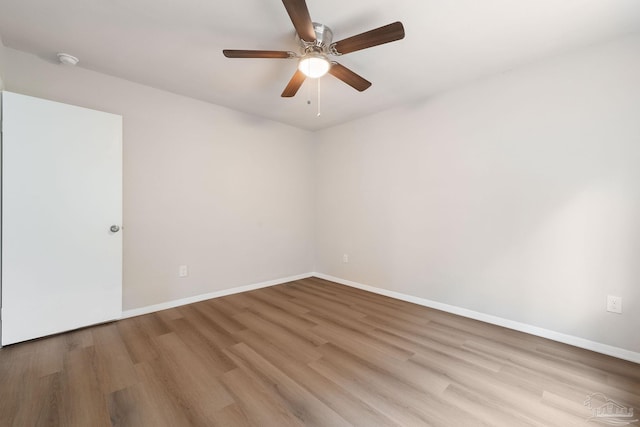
[609, 350]
[197, 298]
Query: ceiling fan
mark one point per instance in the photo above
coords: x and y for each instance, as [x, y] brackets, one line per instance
[316, 46]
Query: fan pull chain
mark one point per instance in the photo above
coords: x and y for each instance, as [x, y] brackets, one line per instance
[318, 98]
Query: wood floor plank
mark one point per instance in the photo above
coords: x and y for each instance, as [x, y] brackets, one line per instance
[128, 408]
[202, 342]
[396, 399]
[623, 370]
[321, 316]
[82, 395]
[17, 377]
[486, 385]
[300, 347]
[113, 363]
[405, 370]
[299, 401]
[81, 338]
[169, 314]
[308, 352]
[584, 377]
[313, 302]
[165, 400]
[42, 405]
[232, 416]
[221, 317]
[269, 295]
[138, 339]
[297, 325]
[357, 295]
[484, 409]
[192, 376]
[257, 402]
[344, 337]
[397, 413]
[425, 334]
[452, 351]
[568, 411]
[346, 404]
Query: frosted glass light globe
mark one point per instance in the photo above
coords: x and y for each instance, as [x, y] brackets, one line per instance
[314, 65]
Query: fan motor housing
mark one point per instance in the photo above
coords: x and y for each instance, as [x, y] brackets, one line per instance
[324, 37]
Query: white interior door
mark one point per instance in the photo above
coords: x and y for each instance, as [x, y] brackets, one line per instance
[61, 193]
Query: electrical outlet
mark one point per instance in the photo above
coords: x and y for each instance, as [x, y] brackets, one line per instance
[614, 304]
[345, 258]
[183, 271]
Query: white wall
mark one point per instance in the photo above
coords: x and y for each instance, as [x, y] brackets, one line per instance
[2, 66]
[228, 194]
[517, 196]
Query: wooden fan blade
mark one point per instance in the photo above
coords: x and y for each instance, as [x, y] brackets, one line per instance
[299, 14]
[294, 84]
[231, 53]
[378, 36]
[349, 77]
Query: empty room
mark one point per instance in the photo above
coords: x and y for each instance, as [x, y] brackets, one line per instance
[320, 213]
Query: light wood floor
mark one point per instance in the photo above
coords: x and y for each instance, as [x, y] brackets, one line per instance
[309, 352]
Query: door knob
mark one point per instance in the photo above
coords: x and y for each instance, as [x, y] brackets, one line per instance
[114, 228]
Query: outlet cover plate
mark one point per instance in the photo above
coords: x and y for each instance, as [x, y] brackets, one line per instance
[614, 304]
[183, 271]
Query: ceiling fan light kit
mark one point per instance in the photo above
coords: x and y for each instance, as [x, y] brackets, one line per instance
[314, 65]
[314, 62]
[316, 45]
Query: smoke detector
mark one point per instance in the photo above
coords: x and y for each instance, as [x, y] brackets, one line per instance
[67, 59]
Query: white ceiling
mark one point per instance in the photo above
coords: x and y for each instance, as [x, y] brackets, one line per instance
[177, 45]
